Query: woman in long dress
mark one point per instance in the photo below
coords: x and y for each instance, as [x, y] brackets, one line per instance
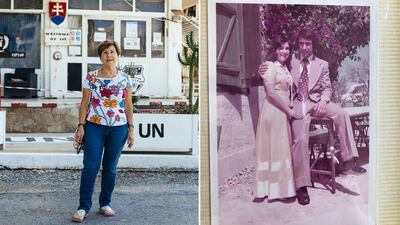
[274, 173]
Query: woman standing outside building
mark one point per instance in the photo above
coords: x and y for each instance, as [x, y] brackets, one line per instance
[106, 122]
[274, 174]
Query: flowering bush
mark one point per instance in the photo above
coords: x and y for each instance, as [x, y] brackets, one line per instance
[341, 30]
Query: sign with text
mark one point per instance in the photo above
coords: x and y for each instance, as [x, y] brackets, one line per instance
[5, 48]
[56, 36]
[100, 36]
[132, 43]
[131, 29]
[75, 37]
[165, 131]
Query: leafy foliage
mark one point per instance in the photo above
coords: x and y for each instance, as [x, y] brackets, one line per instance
[352, 85]
[341, 30]
[179, 109]
[182, 109]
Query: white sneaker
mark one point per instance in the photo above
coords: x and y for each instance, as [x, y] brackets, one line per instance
[107, 211]
[79, 215]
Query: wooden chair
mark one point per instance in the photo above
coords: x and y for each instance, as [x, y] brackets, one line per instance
[360, 126]
[322, 149]
[22, 78]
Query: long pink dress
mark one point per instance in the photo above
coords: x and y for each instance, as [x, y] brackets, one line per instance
[274, 172]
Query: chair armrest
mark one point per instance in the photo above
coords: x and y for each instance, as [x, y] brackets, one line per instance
[8, 76]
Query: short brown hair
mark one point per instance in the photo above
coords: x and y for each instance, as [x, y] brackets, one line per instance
[106, 44]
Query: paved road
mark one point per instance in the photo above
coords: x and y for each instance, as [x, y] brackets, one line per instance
[48, 197]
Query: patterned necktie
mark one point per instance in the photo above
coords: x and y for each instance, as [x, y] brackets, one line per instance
[303, 82]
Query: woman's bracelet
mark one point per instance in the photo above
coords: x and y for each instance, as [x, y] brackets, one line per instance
[130, 125]
[81, 124]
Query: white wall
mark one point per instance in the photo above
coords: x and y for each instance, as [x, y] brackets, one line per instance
[56, 70]
[174, 46]
[163, 76]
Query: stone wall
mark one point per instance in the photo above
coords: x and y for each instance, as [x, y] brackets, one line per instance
[51, 118]
[41, 120]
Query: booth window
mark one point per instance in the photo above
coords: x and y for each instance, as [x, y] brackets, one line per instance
[157, 38]
[99, 31]
[32, 4]
[87, 4]
[150, 5]
[133, 38]
[20, 37]
[5, 4]
[117, 5]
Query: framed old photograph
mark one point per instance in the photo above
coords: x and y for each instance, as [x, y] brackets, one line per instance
[292, 105]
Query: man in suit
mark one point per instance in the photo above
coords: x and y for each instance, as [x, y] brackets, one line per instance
[312, 98]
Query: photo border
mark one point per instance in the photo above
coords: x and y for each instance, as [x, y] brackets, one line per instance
[212, 94]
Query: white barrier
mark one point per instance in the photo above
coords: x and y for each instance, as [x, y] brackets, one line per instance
[166, 132]
[2, 130]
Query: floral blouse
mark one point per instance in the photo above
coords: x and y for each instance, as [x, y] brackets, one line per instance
[108, 98]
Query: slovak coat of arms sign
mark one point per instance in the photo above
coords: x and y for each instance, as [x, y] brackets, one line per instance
[58, 11]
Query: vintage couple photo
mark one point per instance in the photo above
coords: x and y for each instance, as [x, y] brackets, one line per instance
[292, 114]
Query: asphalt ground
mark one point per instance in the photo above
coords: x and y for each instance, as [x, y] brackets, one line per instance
[48, 197]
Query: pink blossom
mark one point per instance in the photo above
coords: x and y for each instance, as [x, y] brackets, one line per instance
[95, 102]
[89, 77]
[115, 90]
[106, 92]
[110, 113]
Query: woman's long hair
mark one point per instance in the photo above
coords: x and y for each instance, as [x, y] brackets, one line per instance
[276, 43]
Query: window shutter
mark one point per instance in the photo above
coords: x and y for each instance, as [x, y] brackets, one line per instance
[238, 45]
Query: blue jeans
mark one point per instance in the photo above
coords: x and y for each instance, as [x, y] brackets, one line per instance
[97, 138]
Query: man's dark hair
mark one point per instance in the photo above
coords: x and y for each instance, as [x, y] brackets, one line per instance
[307, 34]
